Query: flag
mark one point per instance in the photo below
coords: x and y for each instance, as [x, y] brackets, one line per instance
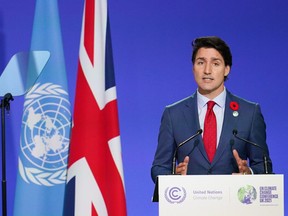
[95, 181]
[45, 127]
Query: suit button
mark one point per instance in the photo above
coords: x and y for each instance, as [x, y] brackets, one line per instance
[209, 171]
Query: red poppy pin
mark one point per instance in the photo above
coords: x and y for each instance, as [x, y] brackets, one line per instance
[234, 106]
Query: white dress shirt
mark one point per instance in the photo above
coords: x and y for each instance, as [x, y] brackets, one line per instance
[219, 109]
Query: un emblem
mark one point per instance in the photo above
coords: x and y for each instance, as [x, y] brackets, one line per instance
[175, 194]
[45, 135]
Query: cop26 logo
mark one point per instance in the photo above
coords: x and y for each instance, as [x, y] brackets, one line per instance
[247, 194]
[45, 135]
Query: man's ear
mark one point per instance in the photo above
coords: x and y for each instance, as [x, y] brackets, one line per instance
[227, 70]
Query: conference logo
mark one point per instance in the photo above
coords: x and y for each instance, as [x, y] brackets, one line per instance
[175, 194]
[45, 135]
[247, 194]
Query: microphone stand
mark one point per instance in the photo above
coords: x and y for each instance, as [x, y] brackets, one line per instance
[5, 105]
[258, 146]
[155, 197]
[181, 144]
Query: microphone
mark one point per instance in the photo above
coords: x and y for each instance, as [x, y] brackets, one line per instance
[181, 144]
[235, 132]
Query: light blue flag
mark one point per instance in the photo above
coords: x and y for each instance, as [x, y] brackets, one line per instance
[45, 130]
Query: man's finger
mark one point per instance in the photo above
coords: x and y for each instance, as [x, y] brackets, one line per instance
[236, 156]
[186, 160]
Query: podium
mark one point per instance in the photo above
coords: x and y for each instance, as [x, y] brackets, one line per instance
[223, 195]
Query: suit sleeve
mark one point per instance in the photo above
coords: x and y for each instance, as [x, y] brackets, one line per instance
[258, 135]
[162, 164]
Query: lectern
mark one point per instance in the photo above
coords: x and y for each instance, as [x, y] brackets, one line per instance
[223, 195]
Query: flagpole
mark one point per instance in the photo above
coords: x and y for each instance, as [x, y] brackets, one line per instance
[5, 104]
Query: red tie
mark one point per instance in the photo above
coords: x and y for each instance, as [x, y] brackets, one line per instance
[210, 131]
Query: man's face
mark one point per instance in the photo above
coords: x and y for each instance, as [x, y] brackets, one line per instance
[209, 71]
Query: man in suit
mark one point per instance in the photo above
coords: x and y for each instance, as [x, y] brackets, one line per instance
[216, 150]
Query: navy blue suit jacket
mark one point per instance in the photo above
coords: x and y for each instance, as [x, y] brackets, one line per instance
[180, 121]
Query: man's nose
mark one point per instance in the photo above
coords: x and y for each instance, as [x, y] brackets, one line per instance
[207, 69]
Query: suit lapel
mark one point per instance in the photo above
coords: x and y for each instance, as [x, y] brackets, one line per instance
[192, 120]
[191, 114]
[229, 123]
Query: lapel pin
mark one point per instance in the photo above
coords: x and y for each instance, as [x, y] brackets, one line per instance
[234, 106]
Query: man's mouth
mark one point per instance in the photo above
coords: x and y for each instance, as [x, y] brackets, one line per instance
[208, 78]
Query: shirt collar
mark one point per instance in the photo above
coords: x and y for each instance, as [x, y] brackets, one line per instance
[219, 100]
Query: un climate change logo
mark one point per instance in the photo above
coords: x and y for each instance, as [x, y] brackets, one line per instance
[175, 194]
[247, 194]
[45, 135]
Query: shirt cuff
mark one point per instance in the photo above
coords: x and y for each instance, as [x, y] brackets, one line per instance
[252, 173]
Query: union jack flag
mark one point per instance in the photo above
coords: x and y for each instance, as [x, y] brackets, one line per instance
[95, 180]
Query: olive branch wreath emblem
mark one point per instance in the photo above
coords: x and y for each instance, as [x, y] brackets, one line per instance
[32, 174]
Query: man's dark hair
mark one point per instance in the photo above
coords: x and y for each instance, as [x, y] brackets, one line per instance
[213, 42]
